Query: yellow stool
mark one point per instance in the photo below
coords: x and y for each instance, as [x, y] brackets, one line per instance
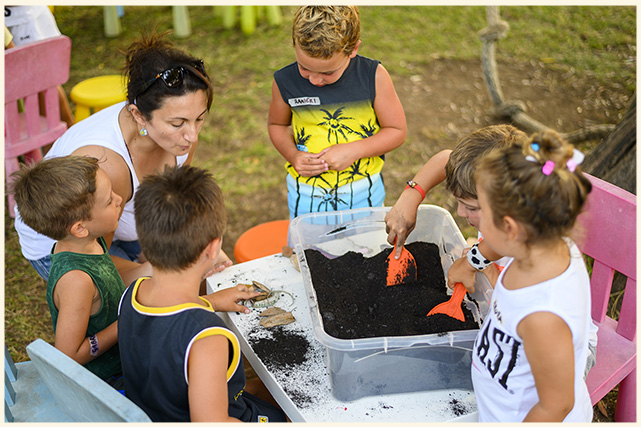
[96, 93]
[264, 239]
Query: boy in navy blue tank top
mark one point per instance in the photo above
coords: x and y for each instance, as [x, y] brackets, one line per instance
[180, 362]
[333, 115]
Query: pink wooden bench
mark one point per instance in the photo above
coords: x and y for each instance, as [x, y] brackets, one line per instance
[29, 70]
[609, 237]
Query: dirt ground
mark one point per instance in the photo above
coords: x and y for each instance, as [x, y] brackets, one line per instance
[454, 93]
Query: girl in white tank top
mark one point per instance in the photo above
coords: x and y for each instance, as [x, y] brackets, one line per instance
[529, 358]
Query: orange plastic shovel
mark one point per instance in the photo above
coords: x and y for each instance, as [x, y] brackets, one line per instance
[402, 270]
[452, 307]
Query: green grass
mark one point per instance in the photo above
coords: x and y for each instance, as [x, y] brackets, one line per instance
[598, 41]
[592, 42]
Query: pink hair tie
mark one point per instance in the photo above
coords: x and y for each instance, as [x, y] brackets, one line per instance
[548, 167]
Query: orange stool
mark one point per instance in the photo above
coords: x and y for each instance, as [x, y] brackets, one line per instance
[261, 240]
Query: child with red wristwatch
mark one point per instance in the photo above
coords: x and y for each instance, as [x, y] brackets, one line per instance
[455, 167]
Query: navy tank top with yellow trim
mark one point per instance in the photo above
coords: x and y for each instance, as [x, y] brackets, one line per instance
[338, 113]
[154, 350]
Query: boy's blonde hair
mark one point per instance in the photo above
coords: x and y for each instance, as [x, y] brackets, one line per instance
[178, 213]
[459, 170]
[520, 184]
[323, 31]
[54, 193]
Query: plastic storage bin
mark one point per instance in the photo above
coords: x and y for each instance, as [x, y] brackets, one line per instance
[383, 365]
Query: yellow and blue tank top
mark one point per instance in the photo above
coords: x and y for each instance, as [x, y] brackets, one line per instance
[338, 113]
[105, 276]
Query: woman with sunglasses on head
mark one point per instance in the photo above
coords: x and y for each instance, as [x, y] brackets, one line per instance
[168, 95]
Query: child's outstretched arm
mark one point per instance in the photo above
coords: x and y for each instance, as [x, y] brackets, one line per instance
[207, 374]
[401, 219]
[279, 123]
[547, 342]
[391, 118]
[74, 295]
[231, 299]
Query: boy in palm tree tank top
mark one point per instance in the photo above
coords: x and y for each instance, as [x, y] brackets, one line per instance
[333, 115]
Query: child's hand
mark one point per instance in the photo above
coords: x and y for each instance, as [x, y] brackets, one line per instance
[309, 164]
[399, 223]
[230, 299]
[339, 157]
[462, 272]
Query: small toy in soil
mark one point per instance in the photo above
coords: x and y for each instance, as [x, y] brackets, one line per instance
[267, 297]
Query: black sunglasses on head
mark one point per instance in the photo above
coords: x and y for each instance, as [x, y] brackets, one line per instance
[173, 77]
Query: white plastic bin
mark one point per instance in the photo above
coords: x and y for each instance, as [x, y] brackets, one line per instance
[383, 365]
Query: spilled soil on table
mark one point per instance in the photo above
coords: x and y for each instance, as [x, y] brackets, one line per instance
[290, 357]
[355, 301]
[270, 349]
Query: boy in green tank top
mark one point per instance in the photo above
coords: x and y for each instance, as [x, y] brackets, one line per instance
[70, 199]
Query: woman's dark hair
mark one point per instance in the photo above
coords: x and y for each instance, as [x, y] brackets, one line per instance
[147, 58]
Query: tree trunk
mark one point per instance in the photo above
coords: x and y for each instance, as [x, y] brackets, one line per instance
[614, 159]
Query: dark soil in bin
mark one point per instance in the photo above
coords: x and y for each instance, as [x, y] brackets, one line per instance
[355, 301]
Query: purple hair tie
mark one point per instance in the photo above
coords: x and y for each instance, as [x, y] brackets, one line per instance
[548, 167]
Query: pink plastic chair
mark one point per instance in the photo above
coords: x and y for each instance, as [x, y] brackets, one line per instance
[609, 230]
[30, 69]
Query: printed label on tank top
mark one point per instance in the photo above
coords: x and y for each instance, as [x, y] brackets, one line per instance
[497, 352]
[305, 100]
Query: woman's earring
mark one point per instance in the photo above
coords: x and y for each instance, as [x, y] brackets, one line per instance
[144, 132]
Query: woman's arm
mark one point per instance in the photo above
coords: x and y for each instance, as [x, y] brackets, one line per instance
[547, 342]
[130, 270]
[74, 296]
[207, 373]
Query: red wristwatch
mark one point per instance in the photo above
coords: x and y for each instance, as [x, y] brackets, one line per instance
[414, 185]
